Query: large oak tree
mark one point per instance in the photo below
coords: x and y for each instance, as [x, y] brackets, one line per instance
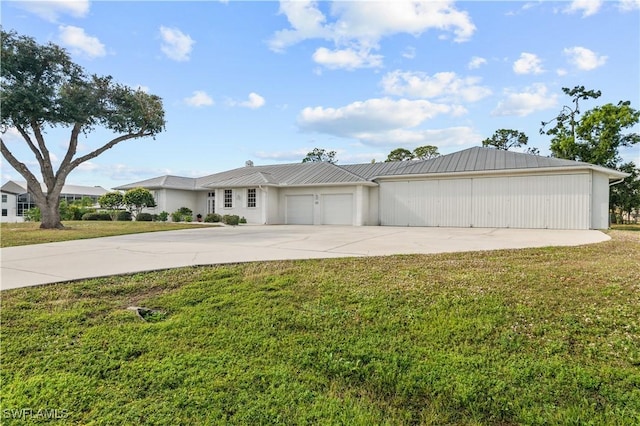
[42, 88]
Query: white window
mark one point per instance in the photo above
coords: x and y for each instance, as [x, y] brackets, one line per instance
[4, 198]
[228, 198]
[251, 197]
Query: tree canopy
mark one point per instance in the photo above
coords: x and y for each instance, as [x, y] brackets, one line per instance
[595, 136]
[137, 199]
[320, 154]
[43, 88]
[505, 139]
[420, 153]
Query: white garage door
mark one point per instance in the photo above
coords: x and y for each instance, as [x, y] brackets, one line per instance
[553, 201]
[337, 209]
[426, 203]
[299, 210]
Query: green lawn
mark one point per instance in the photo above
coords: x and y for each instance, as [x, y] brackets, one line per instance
[535, 336]
[21, 234]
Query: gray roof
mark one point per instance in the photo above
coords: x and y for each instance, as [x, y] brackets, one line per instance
[472, 160]
[20, 187]
[297, 174]
[167, 181]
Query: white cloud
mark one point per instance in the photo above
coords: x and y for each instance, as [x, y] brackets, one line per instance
[12, 135]
[79, 42]
[357, 27]
[375, 120]
[52, 9]
[528, 63]
[584, 59]
[561, 72]
[346, 58]
[445, 85]
[409, 52]
[199, 99]
[476, 62]
[587, 7]
[629, 5]
[141, 87]
[532, 99]
[255, 101]
[175, 44]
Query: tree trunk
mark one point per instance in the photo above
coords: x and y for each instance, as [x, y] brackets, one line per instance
[50, 214]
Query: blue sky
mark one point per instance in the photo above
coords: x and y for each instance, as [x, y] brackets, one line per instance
[268, 81]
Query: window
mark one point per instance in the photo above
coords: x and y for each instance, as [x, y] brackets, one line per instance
[4, 198]
[4, 212]
[251, 197]
[228, 198]
[24, 203]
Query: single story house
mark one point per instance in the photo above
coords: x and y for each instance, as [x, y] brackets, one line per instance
[16, 199]
[476, 187]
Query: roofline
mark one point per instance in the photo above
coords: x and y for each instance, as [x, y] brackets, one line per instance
[611, 174]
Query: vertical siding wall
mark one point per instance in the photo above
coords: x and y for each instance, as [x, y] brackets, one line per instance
[600, 201]
[560, 201]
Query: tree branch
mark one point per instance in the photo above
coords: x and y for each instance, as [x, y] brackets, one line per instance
[75, 163]
[32, 182]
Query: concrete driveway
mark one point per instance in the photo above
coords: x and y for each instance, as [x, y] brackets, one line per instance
[55, 262]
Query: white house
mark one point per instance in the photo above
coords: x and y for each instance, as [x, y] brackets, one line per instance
[477, 187]
[16, 199]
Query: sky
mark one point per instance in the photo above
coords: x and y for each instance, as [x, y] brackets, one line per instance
[270, 81]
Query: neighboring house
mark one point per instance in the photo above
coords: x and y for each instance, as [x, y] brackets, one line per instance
[16, 199]
[477, 187]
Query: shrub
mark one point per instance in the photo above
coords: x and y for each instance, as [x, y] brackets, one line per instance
[185, 211]
[243, 220]
[163, 216]
[212, 218]
[124, 216]
[96, 216]
[33, 215]
[188, 218]
[176, 217]
[144, 217]
[231, 219]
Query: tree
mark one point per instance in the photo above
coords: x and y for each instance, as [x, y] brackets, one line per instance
[505, 139]
[399, 154]
[112, 201]
[320, 154]
[425, 152]
[625, 196]
[597, 136]
[42, 88]
[137, 199]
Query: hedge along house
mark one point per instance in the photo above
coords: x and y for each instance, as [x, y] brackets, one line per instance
[477, 187]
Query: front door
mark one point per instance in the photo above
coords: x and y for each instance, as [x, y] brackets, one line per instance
[211, 202]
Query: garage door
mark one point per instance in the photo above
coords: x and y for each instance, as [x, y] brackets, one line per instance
[426, 203]
[337, 209]
[553, 201]
[299, 209]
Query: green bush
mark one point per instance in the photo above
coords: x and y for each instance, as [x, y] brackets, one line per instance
[163, 216]
[33, 215]
[144, 217]
[185, 211]
[96, 216]
[243, 220]
[176, 217]
[123, 216]
[231, 219]
[212, 218]
[188, 218]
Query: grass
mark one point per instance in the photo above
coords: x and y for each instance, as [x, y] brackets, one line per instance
[20, 234]
[535, 336]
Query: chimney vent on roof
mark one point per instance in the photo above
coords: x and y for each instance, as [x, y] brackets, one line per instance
[248, 163]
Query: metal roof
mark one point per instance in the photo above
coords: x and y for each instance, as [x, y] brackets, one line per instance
[477, 159]
[167, 181]
[20, 187]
